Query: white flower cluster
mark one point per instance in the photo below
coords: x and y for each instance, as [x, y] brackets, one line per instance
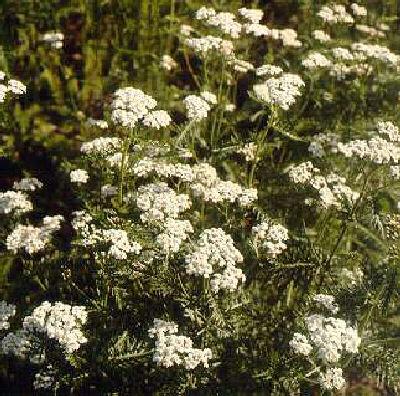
[79, 176]
[158, 202]
[6, 311]
[55, 39]
[358, 10]
[322, 141]
[315, 60]
[332, 378]
[335, 14]
[371, 31]
[59, 321]
[46, 379]
[157, 119]
[162, 168]
[269, 70]
[252, 15]
[168, 63]
[249, 151]
[280, 91]
[197, 108]
[28, 184]
[206, 44]
[33, 239]
[321, 36]
[271, 236]
[376, 149]
[14, 201]
[101, 146]
[287, 36]
[351, 277]
[209, 97]
[342, 54]
[241, 66]
[226, 22]
[102, 124]
[215, 256]
[175, 231]
[121, 246]
[300, 345]
[18, 343]
[132, 105]
[389, 129]
[218, 191]
[108, 191]
[332, 188]
[14, 86]
[327, 301]
[377, 52]
[175, 350]
[331, 337]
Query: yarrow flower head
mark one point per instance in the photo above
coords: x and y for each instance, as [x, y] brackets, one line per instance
[197, 108]
[176, 350]
[280, 91]
[28, 184]
[14, 201]
[271, 237]
[79, 176]
[214, 256]
[59, 321]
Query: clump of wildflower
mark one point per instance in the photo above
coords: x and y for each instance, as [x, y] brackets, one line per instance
[269, 70]
[271, 237]
[101, 146]
[157, 119]
[332, 188]
[206, 44]
[175, 231]
[252, 15]
[79, 176]
[358, 10]
[14, 201]
[240, 65]
[108, 191]
[168, 63]
[59, 321]
[280, 91]
[205, 13]
[28, 184]
[332, 378]
[300, 345]
[121, 246]
[215, 257]
[377, 52]
[18, 343]
[209, 97]
[315, 60]
[33, 239]
[46, 379]
[249, 151]
[389, 129]
[197, 108]
[335, 14]
[175, 350]
[55, 39]
[157, 201]
[321, 36]
[131, 105]
[102, 124]
[226, 22]
[327, 301]
[321, 142]
[6, 311]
